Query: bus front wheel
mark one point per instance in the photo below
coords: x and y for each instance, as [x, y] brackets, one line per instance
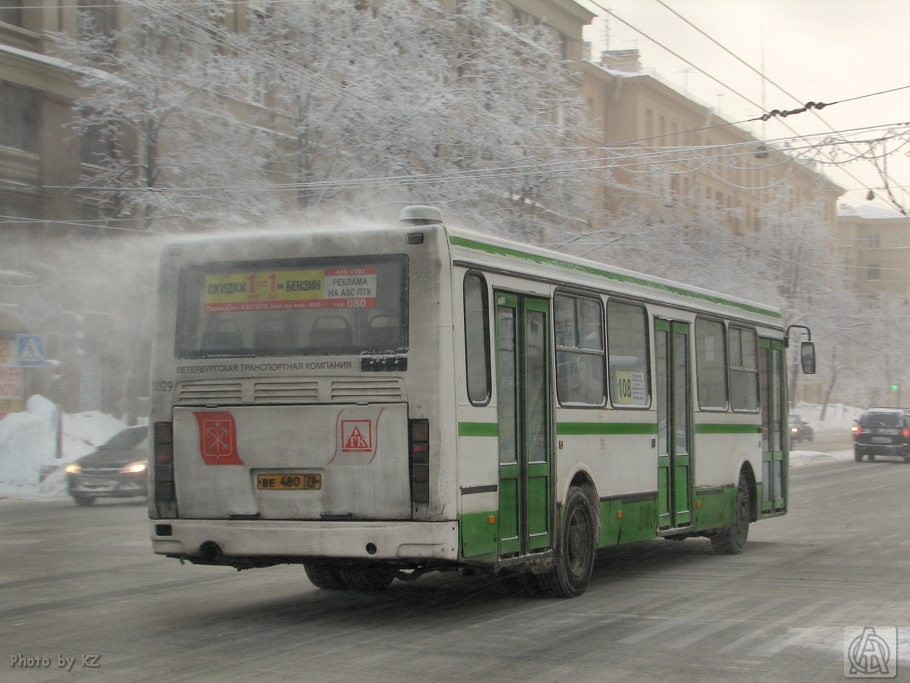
[577, 547]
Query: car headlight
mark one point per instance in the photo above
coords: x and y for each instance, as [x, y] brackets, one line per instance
[72, 468]
[133, 467]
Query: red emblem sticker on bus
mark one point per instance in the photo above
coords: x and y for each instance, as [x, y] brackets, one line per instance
[356, 436]
[218, 438]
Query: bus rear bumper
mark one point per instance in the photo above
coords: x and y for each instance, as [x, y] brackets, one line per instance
[193, 539]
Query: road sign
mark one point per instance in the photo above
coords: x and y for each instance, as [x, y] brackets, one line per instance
[32, 350]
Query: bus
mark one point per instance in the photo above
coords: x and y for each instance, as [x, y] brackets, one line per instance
[379, 402]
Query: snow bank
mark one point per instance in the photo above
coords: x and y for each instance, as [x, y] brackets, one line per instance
[28, 446]
[838, 420]
[838, 417]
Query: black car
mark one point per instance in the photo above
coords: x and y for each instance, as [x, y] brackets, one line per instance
[800, 430]
[116, 470]
[882, 431]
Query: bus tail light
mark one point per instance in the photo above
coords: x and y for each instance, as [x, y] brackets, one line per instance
[419, 444]
[164, 463]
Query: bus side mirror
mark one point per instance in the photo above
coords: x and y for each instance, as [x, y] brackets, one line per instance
[807, 357]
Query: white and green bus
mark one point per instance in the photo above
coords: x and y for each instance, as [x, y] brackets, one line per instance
[380, 402]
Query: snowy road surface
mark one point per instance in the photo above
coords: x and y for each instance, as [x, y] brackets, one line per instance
[83, 599]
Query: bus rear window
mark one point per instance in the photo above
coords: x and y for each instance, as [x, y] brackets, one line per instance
[293, 307]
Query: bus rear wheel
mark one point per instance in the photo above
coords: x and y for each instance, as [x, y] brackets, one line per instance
[732, 540]
[367, 577]
[322, 574]
[577, 547]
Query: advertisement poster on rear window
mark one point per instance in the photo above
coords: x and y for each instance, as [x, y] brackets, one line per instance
[282, 290]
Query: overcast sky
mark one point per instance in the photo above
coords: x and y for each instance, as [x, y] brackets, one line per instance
[815, 50]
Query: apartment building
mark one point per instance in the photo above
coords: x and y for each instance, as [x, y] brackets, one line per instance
[667, 150]
[876, 246]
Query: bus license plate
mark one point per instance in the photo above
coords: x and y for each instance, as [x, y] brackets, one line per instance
[289, 481]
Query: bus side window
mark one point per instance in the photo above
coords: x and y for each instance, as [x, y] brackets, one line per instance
[629, 360]
[477, 339]
[711, 359]
[578, 325]
[743, 345]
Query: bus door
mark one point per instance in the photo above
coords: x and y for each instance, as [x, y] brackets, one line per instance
[524, 416]
[773, 408]
[674, 420]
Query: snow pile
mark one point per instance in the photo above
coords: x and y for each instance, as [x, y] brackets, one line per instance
[28, 446]
[838, 417]
[837, 421]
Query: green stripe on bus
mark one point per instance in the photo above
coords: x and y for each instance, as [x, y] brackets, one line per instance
[617, 277]
[586, 428]
[478, 429]
[726, 429]
[583, 428]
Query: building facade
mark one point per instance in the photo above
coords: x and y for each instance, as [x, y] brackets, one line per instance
[666, 150]
[876, 247]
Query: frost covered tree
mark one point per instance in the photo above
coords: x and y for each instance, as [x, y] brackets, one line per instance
[882, 356]
[687, 241]
[347, 103]
[163, 141]
[402, 101]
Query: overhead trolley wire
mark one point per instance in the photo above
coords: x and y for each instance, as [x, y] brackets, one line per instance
[814, 107]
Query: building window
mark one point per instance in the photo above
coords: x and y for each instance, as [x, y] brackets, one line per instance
[873, 271]
[96, 19]
[11, 12]
[17, 239]
[19, 117]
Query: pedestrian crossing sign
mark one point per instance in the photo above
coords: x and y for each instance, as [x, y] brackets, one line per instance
[32, 350]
